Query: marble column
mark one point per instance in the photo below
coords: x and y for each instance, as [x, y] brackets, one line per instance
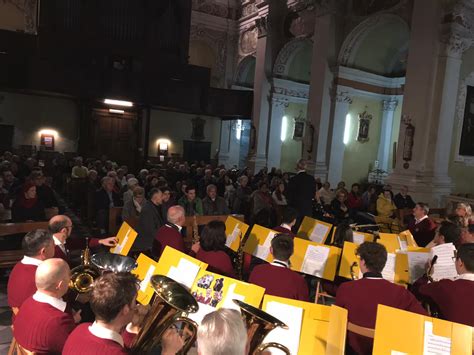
[383, 155]
[234, 143]
[432, 81]
[274, 139]
[224, 146]
[319, 104]
[261, 92]
[336, 158]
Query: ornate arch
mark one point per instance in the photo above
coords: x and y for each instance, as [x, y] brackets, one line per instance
[357, 35]
[243, 69]
[286, 54]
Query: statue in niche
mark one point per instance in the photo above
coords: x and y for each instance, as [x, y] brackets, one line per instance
[198, 129]
[466, 147]
[364, 126]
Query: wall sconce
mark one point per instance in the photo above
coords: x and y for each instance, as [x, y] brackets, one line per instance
[163, 147]
[47, 139]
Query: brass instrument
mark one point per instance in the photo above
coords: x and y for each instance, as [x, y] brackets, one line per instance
[83, 276]
[352, 271]
[357, 227]
[195, 230]
[259, 324]
[172, 302]
[239, 262]
[108, 262]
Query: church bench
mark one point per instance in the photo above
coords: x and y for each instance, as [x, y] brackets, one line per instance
[9, 258]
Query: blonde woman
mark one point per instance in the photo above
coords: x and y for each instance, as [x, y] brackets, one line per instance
[464, 212]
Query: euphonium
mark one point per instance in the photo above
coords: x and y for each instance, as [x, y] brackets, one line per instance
[172, 302]
[259, 324]
[83, 276]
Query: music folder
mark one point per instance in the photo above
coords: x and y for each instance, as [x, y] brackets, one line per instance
[126, 237]
[235, 231]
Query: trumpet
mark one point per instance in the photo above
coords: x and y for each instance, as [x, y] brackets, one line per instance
[171, 305]
[259, 324]
[83, 276]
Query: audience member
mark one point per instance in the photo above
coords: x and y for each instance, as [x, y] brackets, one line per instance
[385, 206]
[105, 199]
[402, 200]
[128, 195]
[326, 194]
[464, 211]
[421, 226]
[354, 198]
[369, 200]
[242, 201]
[27, 207]
[151, 219]
[191, 203]
[133, 207]
[212, 204]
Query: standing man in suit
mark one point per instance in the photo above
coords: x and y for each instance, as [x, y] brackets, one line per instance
[421, 226]
[105, 199]
[301, 191]
[151, 219]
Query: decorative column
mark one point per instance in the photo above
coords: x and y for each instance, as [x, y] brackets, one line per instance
[224, 146]
[234, 144]
[388, 109]
[261, 92]
[274, 141]
[342, 101]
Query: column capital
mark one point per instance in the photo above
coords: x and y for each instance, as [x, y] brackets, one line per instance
[280, 101]
[342, 97]
[263, 26]
[389, 105]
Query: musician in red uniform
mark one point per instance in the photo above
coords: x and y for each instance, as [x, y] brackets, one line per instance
[113, 301]
[361, 297]
[61, 227]
[453, 298]
[421, 226]
[170, 233]
[277, 278]
[37, 246]
[288, 221]
[212, 249]
[43, 323]
[446, 233]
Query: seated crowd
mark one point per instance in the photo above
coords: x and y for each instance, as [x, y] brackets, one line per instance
[47, 321]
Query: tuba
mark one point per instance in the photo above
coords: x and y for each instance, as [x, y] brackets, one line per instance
[109, 262]
[172, 302]
[259, 324]
[83, 276]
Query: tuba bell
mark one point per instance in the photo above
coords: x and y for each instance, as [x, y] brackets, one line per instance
[172, 302]
[83, 276]
[109, 262]
[259, 324]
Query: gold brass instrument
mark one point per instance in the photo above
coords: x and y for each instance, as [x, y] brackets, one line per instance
[195, 230]
[259, 324]
[239, 262]
[83, 276]
[352, 271]
[172, 302]
[109, 262]
[357, 227]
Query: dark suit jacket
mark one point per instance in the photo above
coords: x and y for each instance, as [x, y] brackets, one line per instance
[102, 201]
[151, 219]
[301, 190]
[423, 232]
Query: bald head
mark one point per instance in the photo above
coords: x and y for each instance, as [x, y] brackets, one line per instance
[52, 276]
[58, 223]
[176, 215]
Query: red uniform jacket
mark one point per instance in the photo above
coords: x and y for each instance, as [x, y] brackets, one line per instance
[281, 229]
[453, 299]
[21, 284]
[83, 342]
[41, 328]
[280, 281]
[423, 232]
[361, 298]
[219, 262]
[74, 244]
[168, 235]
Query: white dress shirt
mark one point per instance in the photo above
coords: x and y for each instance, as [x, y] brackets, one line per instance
[280, 263]
[57, 303]
[27, 260]
[104, 333]
[60, 244]
[467, 276]
[421, 219]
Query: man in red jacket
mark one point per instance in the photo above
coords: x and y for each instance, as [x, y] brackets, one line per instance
[288, 222]
[170, 233]
[277, 278]
[361, 297]
[453, 299]
[113, 301]
[421, 226]
[43, 324]
[38, 246]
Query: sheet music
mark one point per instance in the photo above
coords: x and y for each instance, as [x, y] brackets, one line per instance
[315, 260]
[203, 310]
[403, 244]
[233, 236]
[290, 315]
[146, 279]
[231, 295]
[388, 272]
[185, 273]
[395, 352]
[358, 238]
[268, 240]
[119, 247]
[435, 344]
[262, 252]
[319, 233]
[417, 262]
[444, 268]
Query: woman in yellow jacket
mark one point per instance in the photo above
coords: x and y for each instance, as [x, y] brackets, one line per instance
[385, 206]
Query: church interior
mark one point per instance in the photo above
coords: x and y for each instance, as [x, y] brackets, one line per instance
[236, 177]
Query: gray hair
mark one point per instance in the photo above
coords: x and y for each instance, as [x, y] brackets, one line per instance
[222, 332]
[175, 213]
[132, 182]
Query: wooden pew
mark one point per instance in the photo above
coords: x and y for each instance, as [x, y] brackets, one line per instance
[203, 220]
[9, 258]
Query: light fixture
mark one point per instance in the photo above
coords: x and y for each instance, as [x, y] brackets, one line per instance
[48, 132]
[347, 130]
[114, 110]
[114, 102]
[238, 130]
[283, 128]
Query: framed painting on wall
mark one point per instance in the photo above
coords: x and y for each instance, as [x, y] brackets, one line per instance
[466, 146]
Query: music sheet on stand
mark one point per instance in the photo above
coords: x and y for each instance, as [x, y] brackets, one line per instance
[233, 236]
[358, 238]
[315, 260]
[290, 315]
[444, 268]
[434, 344]
[318, 233]
[417, 262]
[262, 251]
[388, 271]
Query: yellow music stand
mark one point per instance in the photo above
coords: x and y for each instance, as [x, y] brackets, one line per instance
[126, 237]
[235, 231]
[309, 225]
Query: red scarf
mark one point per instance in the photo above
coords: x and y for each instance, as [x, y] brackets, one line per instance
[23, 201]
